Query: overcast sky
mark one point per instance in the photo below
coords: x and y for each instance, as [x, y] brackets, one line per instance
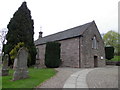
[58, 15]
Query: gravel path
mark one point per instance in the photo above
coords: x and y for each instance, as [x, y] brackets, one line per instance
[106, 77]
[60, 78]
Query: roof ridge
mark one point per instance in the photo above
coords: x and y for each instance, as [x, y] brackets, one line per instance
[69, 33]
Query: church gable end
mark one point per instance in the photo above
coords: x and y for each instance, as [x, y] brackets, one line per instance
[93, 47]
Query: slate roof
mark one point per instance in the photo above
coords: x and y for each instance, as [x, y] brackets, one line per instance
[73, 32]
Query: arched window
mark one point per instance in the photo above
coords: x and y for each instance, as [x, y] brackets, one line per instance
[37, 55]
[94, 43]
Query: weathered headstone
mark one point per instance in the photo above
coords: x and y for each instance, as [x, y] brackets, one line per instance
[5, 70]
[20, 64]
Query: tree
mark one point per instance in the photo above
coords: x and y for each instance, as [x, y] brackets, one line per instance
[112, 38]
[3, 33]
[21, 29]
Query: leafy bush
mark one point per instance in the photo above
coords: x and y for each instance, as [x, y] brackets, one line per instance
[109, 52]
[31, 56]
[14, 51]
[52, 55]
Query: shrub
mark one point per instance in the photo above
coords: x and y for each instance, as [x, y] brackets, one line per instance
[109, 52]
[31, 51]
[52, 55]
[14, 51]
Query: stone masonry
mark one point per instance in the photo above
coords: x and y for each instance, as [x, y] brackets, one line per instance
[76, 47]
[87, 52]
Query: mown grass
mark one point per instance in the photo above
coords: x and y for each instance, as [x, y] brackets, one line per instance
[116, 58]
[37, 76]
[0, 82]
[0, 72]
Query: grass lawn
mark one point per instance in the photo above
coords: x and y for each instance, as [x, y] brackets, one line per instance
[0, 73]
[0, 82]
[37, 76]
[116, 58]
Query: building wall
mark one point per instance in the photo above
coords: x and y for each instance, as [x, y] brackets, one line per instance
[78, 51]
[41, 55]
[69, 53]
[87, 52]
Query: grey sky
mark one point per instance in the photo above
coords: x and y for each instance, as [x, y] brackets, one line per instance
[58, 15]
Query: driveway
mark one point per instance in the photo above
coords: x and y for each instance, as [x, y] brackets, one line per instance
[105, 77]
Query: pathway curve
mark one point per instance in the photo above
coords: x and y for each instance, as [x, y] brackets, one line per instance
[59, 79]
[78, 79]
[106, 77]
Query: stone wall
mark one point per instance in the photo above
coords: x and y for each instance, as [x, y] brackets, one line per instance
[41, 55]
[78, 51]
[70, 52]
[111, 62]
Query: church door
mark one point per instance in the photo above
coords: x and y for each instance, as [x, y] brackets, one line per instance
[95, 61]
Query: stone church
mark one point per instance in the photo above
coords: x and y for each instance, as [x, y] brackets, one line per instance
[81, 47]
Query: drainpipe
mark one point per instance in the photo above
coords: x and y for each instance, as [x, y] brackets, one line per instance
[80, 51]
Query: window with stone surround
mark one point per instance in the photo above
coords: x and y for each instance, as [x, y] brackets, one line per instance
[37, 55]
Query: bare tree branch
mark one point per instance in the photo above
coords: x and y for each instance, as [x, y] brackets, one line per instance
[3, 33]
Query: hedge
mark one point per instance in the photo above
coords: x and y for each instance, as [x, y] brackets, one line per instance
[52, 55]
[109, 52]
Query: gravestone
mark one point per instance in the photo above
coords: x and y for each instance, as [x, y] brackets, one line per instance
[5, 70]
[20, 64]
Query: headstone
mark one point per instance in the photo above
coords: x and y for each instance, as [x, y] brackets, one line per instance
[5, 70]
[20, 64]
